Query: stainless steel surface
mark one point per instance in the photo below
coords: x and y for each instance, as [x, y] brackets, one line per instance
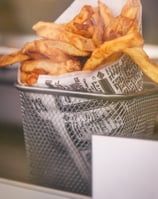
[58, 126]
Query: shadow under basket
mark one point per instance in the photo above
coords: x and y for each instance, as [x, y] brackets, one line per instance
[58, 126]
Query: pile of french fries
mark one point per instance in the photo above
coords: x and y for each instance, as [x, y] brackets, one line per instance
[94, 37]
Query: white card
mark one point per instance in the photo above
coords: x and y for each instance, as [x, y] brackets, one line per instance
[124, 168]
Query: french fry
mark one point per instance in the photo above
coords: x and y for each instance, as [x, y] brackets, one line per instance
[112, 58]
[106, 18]
[40, 49]
[97, 36]
[28, 78]
[47, 30]
[36, 55]
[13, 58]
[108, 48]
[32, 78]
[132, 10]
[47, 46]
[82, 24]
[127, 20]
[29, 47]
[53, 53]
[88, 23]
[118, 27]
[47, 66]
[23, 77]
[105, 13]
[139, 56]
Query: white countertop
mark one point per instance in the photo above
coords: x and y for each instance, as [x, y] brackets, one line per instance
[12, 189]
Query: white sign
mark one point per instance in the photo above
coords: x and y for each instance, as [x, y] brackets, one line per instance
[124, 168]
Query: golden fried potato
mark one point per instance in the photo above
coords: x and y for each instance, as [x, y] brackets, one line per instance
[23, 77]
[29, 47]
[51, 52]
[82, 24]
[98, 33]
[47, 66]
[118, 27]
[112, 58]
[47, 46]
[128, 20]
[49, 31]
[132, 10]
[139, 56]
[13, 58]
[28, 78]
[39, 49]
[89, 23]
[108, 48]
[31, 50]
[36, 55]
[105, 14]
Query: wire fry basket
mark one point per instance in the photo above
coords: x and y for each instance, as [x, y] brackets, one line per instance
[58, 126]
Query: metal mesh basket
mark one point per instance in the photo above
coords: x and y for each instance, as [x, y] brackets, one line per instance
[58, 126]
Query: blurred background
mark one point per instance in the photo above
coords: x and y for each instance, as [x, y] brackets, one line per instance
[150, 21]
[18, 16]
[16, 20]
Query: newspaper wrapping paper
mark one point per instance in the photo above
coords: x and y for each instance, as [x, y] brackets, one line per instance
[120, 77]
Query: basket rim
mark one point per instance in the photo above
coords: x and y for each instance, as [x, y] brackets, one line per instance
[149, 89]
